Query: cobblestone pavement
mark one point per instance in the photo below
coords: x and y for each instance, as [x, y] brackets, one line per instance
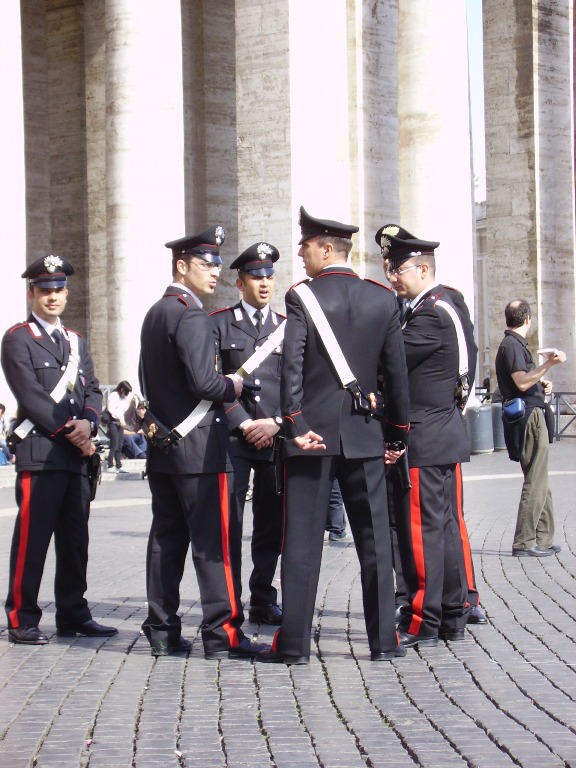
[506, 696]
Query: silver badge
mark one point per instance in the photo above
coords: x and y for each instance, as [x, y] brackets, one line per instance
[220, 235]
[264, 250]
[52, 263]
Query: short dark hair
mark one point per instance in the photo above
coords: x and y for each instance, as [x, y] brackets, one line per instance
[2, 407]
[516, 312]
[341, 244]
[124, 386]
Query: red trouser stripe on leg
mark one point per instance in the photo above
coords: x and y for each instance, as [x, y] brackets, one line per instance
[464, 531]
[417, 551]
[26, 485]
[225, 528]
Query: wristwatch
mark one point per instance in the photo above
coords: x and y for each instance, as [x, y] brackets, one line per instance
[279, 420]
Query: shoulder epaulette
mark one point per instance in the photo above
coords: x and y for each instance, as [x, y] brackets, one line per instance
[218, 311]
[306, 280]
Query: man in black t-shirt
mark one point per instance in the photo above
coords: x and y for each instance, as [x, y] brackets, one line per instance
[527, 438]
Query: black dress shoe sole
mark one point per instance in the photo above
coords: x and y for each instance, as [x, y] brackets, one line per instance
[184, 646]
[36, 641]
[532, 553]
[280, 659]
[388, 655]
[474, 619]
[425, 642]
[453, 635]
[80, 633]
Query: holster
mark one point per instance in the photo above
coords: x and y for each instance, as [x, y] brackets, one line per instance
[94, 473]
[158, 435]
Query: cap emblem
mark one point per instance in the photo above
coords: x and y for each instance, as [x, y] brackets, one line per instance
[52, 263]
[220, 235]
[264, 250]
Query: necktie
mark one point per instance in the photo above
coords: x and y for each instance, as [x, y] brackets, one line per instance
[57, 338]
[258, 318]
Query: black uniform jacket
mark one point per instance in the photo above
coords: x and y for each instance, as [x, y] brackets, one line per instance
[364, 317]
[178, 368]
[437, 433]
[33, 365]
[237, 339]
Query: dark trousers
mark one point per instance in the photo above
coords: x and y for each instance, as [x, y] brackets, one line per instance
[199, 510]
[363, 486]
[431, 553]
[266, 527]
[116, 436]
[398, 499]
[49, 503]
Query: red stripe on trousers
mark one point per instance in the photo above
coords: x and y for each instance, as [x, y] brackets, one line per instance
[417, 551]
[464, 531]
[26, 486]
[225, 530]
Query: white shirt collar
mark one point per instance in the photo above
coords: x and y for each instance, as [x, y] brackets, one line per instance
[250, 310]
[48, 327]
[182, 287]
[413, 303]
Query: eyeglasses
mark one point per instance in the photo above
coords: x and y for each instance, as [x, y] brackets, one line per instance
[397, 271]
[207, 266]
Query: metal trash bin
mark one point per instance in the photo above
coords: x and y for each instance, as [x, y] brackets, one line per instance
[478, 421]
[498, 427]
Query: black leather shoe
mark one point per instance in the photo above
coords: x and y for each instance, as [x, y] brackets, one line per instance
[411, 641]
[265, 614]
[275, 657]
[27, 636]
[244, 650]
[533, 552]
[397, 652]
[399, 612]
[451, 634]
[477, 616]
[182, 646]
[88, 628]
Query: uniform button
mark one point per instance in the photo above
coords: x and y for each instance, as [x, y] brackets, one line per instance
[256, 382]
[257, 398]
[72, 403]
[232, 345]
[217, 419]
[62, 367]
[46, 364]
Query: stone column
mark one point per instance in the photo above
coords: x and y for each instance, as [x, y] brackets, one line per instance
[144, 166]
[373, 116]
[265, 205]
[12, 184]
[436, 186]
[530, 171]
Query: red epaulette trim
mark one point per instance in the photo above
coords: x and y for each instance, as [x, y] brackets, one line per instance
[20, 325]
[218, 311]
[335, 272]
[306, 280]
[71, 330]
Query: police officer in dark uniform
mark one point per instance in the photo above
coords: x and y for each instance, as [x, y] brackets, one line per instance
[191, 480]
[50, 372]
[254, 419]
[328, 437]
[429, 523]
